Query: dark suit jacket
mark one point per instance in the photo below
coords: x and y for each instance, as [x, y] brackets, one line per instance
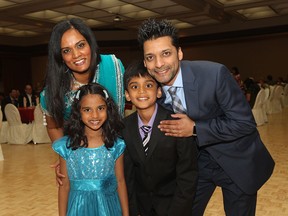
[225, 125]
[21, 100]
[164, 182]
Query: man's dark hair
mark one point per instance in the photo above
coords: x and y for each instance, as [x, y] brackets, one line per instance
[152, 29]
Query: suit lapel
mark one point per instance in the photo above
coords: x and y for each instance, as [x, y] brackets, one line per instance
[136, 137]
[156, 133]
[190, 86]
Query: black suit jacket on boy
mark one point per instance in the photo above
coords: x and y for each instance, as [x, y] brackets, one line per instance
[164, 182]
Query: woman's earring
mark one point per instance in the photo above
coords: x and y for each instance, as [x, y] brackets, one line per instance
[67, 69]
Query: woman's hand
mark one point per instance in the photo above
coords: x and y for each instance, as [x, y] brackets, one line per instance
[59, 175]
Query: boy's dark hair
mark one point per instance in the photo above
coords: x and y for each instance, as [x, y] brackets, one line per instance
[74, 127]
[152, 29]
[135, 69]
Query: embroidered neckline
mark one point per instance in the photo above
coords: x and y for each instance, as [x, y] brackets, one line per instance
[76, 83]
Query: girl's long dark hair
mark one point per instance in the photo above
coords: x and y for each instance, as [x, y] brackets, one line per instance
[58, 77]
[74, 127]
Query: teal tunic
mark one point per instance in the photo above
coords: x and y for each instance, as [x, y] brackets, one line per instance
[109, 74]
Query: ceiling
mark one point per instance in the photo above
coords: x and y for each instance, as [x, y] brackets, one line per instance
[29, 22]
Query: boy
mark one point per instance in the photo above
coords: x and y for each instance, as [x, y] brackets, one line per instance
[161, 173]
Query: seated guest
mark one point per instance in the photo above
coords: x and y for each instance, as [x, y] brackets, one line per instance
[252, 89]
[27, 99]
[12, 98]
[2, 96]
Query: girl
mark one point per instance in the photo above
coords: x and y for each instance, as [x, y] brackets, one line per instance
[91, 155]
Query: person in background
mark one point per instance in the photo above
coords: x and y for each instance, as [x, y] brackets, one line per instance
[73, 61]
[12, 98]
[2, 104]
[2, 96]
[269, 80]
[160, 171]
[262, 84]
[38, 89]
[91, 155]
[252, 89]
[215, 110]
[28, 98]
[236, 74]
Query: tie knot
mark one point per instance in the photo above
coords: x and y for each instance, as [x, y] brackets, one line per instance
[145, 128]
[172, 90]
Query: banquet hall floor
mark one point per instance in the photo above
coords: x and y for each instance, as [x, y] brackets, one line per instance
[27, 183]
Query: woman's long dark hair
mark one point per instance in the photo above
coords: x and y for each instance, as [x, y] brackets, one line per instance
[74, 127]
[58, 77]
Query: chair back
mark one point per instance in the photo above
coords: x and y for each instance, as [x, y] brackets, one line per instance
[39, 131]
[38, 115]
[259, 99]
[17, 133]
[1, 118]
[3, 129]
[278, 91]
[12, 115]
[285, 96]
[267, 93]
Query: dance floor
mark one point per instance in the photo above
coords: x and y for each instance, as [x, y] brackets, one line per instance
[27, 183]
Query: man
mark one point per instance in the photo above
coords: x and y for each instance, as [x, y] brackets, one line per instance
[11, 98]
[28, 99]
[232, 155]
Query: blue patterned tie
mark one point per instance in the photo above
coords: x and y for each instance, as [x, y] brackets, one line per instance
[146, 129]
[176, 102]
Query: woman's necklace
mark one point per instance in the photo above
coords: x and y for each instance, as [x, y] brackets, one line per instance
[77, 84]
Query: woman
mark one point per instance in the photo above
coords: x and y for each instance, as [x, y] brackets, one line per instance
[73, 61]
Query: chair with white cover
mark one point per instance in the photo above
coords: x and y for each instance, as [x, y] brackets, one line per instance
[39, 131]
[17, 133]
[274, 103]
[1, 118]
[257, 109]
[264, 109]
[284, 98]
[3, 129]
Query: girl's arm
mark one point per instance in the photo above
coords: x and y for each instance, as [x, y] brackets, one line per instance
[63, 191]
[122, 190]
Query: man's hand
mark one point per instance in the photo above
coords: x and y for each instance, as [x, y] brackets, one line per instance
[182, 126]
[59, 176]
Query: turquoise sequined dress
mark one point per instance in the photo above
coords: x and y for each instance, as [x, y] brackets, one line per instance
[93, 184]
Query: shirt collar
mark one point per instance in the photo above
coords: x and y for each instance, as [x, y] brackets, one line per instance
[177, 83]
[151, 121]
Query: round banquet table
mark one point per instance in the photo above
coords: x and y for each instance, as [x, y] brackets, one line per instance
[27, 114]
